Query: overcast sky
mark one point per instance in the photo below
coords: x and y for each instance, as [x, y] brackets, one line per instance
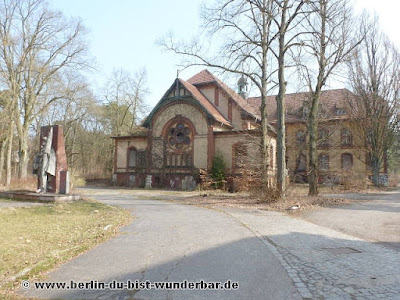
[123, 33]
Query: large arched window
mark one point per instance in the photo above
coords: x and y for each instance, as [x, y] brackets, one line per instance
[179, 144]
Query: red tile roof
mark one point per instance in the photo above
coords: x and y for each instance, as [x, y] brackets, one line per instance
[330, 101]
[204, 102]
[205, 77]
[201, 78]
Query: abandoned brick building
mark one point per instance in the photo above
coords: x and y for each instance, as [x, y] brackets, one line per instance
[202, 116]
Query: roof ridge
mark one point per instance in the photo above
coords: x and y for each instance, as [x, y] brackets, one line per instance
[239, 100]
[296, 93]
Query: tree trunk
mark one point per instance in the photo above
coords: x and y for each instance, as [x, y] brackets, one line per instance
[2, 157]
[312, 146]
[264, 113]
[280, 104]
[264, 148]
[9, 153]
[23, 155]
[313, 117]
[376, 166]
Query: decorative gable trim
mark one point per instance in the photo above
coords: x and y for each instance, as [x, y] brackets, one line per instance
[183, 91]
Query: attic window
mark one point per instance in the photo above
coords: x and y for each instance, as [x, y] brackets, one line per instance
[340, 111]
[321, 111]
[306, 109]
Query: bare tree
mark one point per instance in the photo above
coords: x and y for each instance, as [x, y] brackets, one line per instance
[290, 16]
[375, 78]
[37, 45]
[123, 96]
[5, 122]
[330, 42]
[244, 30]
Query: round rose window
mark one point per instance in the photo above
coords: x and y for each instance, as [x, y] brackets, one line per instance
[179, 136]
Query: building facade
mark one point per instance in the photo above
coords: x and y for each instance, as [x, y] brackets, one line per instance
[341, 152]
[193, 121]
[202, 116]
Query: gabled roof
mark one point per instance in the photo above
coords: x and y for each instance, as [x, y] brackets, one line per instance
[204, 102]
[330, 101]
[205, 77]
[199, 98]
[202, 77]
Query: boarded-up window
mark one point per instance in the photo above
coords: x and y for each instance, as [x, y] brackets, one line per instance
[347, 161]
[132, 154]
[216, 96]
[239, 155]
[141, 159]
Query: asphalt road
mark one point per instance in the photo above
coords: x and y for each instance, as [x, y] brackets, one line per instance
[175, 242]
[376, 217]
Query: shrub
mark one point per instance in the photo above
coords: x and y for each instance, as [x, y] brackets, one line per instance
[218, 171]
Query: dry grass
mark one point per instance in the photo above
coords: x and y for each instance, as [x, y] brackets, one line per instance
[295, 195]
[29, 183]
[36, 239]
[245, 202]
[302, 189]
[394, 179]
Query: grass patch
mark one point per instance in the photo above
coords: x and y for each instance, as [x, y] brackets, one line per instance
[36, 239]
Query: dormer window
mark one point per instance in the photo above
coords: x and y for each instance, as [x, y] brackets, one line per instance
[306, 109]
[340, 111]
[321, 111]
